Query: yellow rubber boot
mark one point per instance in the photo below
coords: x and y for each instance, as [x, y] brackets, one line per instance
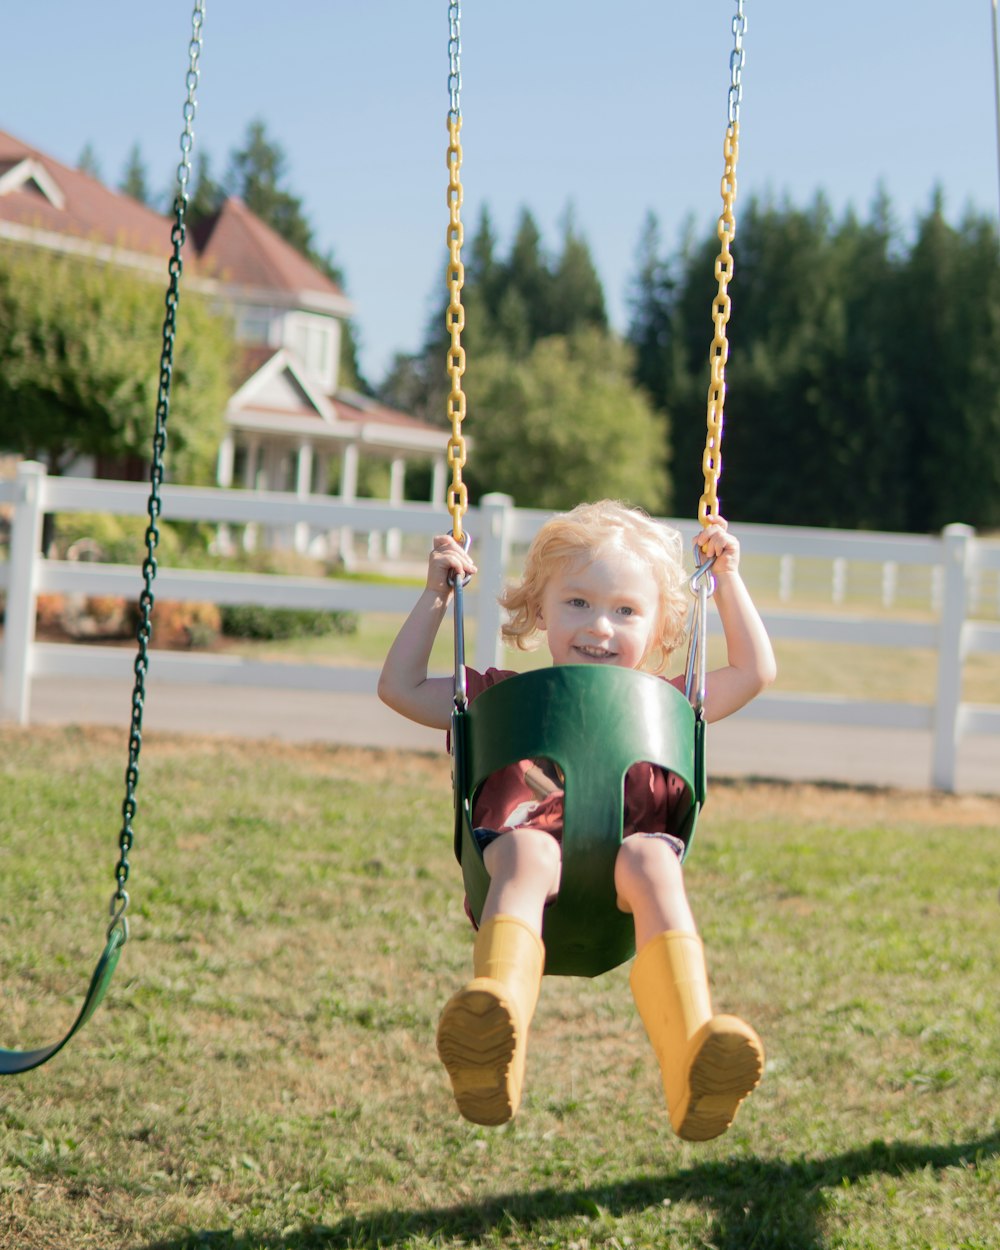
[709, 1063]
[483, 1032]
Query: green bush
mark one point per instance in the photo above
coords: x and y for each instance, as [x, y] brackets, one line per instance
[118, 539]
[241, 620]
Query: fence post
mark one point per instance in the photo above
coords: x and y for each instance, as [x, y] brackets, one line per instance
[948, 698]
[19, 618]
[495, 512]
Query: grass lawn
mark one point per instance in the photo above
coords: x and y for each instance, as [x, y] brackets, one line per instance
[262, 1075]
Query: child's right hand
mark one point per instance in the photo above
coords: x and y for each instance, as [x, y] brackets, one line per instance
[448, 560]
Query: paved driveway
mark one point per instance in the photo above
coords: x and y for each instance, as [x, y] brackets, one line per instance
[738, 747]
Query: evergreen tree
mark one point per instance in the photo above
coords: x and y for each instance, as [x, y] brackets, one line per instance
[135, 180]
[256, 174]
[87, 162]
[945, 339]
[553, 411]
[483, 272]
[205, 195]
[863, 384]
[576, 297]
[808, 419]
[651, 299]
[523, 313]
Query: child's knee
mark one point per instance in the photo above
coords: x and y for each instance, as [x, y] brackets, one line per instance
[644, 861]
[524, 851]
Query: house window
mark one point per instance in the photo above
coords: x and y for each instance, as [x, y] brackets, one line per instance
[253, 325]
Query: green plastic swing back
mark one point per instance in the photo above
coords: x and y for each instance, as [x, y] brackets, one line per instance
[13, 1062]
[595, 723]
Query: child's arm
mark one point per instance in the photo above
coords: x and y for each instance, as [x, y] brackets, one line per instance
[403, 683]
[751, 665]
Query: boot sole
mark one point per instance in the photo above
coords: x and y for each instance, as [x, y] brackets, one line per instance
[727, 1066]
[476, 1041]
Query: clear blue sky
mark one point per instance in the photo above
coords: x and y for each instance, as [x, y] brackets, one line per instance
[614, 109]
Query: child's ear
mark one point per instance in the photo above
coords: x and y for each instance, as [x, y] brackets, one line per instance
[539, 619]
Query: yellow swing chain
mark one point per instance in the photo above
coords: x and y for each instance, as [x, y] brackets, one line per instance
[458, 495]
[708, 507]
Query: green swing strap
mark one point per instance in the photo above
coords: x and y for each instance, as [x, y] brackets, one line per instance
[594, 723]
[16, 1061]
[13, 1062]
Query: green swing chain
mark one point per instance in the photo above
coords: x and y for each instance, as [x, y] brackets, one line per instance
[178, 234]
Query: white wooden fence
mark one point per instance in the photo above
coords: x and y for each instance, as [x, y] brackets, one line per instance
[958, 560]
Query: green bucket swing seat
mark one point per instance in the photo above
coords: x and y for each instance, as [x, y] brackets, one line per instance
[594, 723]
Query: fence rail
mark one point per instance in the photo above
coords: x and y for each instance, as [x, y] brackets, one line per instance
[957, 559]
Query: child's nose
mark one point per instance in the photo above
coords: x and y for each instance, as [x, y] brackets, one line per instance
[601, 625]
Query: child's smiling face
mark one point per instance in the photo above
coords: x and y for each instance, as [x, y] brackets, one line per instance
[601, 610]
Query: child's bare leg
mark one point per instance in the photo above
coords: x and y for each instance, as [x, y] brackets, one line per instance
[483, 1031]
[524, 866]
[709, 1063]
[650, 886]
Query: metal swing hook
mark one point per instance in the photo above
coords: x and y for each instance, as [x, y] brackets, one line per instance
[116, 910]
[702, 586]
[459, 583]
[702, 575]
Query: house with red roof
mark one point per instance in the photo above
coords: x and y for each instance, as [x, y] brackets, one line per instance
[290, 426]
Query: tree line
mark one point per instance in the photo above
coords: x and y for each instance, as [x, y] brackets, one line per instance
[863, 376]
[863, 382]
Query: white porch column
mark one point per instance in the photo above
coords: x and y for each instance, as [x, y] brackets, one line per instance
[322, 488]
[250, 471]
[322, 474]
[439, 480]
[303, 489]
[225, 460]
[253, 460]
[348, 494]
[397, 493]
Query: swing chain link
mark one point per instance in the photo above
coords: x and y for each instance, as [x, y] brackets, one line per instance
[178, 234]
[455, 58]
[737, 59]
[708, 506]
[458, 495]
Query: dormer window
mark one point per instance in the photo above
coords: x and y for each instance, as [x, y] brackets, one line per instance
[314, 340]
[31, 176]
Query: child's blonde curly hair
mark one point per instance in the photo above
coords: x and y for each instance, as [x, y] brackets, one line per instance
[582, 533]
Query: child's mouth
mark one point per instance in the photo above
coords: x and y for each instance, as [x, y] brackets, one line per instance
[595, 653]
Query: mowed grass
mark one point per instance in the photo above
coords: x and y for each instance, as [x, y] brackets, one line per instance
[262, 1075]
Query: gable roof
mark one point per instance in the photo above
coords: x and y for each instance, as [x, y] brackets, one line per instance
[46, 202]
[39, 194]
[238, 248]
[343, 416]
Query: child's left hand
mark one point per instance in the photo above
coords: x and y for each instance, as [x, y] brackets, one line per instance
[717, 541]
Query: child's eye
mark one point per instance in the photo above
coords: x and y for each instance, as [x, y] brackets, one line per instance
[626, 611]
[577, 603]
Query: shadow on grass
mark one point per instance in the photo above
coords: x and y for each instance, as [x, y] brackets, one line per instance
[771, 1205]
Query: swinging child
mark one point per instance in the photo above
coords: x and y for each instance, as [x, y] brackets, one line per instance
[606, 585]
